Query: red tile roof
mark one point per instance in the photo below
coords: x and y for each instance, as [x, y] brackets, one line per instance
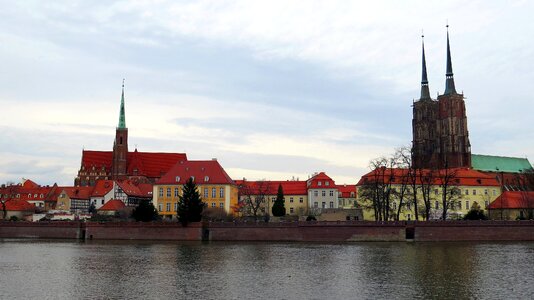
[313, 183]
[79, 192]
[346, 190]
[102, 187]
[150, 164]
[112, 205]
[200, 169]
[513, 200]
[465, 177]
[132, 189]
[19, 205]
[28, 191]
[271, 187]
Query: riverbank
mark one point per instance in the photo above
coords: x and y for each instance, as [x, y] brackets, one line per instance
[340, 231]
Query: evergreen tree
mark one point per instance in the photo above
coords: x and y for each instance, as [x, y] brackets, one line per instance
[190, 205]
[145, 212]
[475, 213]
[279, 209]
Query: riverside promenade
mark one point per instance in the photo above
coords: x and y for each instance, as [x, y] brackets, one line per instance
[338, 231]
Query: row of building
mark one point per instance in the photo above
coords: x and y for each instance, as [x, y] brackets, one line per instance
[109, 181]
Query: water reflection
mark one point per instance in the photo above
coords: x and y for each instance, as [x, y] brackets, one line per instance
[66, 270]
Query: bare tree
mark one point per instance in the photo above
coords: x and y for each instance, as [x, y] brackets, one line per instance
[425, 180]
[376, 189]
[450, 193]
[524, 183]
[7, 194]
[254, 196]
[403, 161]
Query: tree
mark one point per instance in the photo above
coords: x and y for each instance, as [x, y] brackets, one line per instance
[279, 209]
[92, 208]
[190, 205]
[475, 213]
[426, 182]
[7, 195]
[377, 189]
[145, 212]
[450, 193]
[254, 196]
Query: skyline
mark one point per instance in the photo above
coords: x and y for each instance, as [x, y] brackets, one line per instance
[219, 79]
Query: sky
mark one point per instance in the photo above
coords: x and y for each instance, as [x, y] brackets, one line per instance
[272, 89]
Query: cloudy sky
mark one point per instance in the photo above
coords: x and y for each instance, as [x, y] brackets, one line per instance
[273, 89]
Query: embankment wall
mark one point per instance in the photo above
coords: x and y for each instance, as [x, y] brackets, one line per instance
[350, 231]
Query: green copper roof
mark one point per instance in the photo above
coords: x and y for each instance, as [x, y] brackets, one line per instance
[122, 116]
[499, 163]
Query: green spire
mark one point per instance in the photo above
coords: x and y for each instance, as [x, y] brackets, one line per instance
[122, 116]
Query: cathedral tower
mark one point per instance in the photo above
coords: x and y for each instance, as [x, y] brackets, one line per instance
[120, 146]
[440, 135]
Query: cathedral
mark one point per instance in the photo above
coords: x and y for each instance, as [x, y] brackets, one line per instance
[440, 135]
[121, 164]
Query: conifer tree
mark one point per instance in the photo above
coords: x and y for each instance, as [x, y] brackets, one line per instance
[145, 212]
[279, 209]
[190, 205]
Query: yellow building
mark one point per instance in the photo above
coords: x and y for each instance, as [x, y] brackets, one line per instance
[467, 185]
[214, 185]
[295, 196]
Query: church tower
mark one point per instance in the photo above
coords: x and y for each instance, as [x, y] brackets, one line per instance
[120, 146]
[440, 135]
[454, 145]
[424, 123]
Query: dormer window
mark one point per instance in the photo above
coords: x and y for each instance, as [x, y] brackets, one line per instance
[319, 183]
[29, 195]
[193, 178]
[35, 196]
[206, 178]
[177, 178]
[327, 183]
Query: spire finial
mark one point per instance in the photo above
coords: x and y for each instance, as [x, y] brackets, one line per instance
[122, 115]
[425, 92]
[449, 83]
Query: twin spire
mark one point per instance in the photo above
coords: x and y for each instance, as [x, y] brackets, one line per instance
[122, 115]
[449, 83]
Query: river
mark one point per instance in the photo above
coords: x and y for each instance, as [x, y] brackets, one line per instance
[51, 269]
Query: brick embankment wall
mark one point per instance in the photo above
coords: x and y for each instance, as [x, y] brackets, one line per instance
[45, 230]
[474, 231]
[307, 231]
[143, 231]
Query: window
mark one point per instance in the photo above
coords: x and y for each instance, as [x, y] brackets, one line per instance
[176, 206]
[486, 203]
[409, 217]
[176, 191]
[29, 195]
[459, 204]
[213, 204]
[102, 202]
[323, 204]
[168, 192]
[273, 199]
[331, 193]
[436, 191]
[327, 183]
[467, 205]
[408, 206]
[160, 207]
[323, 193]
[168, 207]
[319, 183]
[494, 193]
[42, 196]
[301, 200]
[395, 205]
[291, 210]
[315, 204]
[485, 191]
[437, 205]
[177, 178]
[315, 193]
[466, 191]
[213, 192]
[221, 192]
[206, 178]
[206, 192]
[474, 192]
[290, 199]
[193, 178]
[331, 204]
[221, 205]
[161, 192]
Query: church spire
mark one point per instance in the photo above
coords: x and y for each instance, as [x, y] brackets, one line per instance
[122, 116]
[425, 93]
[449, 84]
